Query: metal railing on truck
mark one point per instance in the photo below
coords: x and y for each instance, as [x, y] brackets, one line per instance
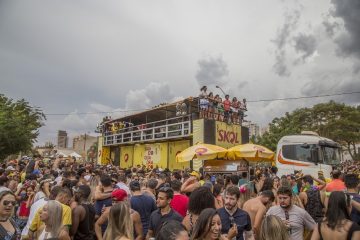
[177, 127]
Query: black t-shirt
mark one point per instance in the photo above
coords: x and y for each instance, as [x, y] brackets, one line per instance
[99, 205]
[30, 167]
[144, 205]
[241, 218]
[157, 220]
[355, 214]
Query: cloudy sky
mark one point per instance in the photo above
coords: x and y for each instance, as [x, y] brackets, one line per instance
[74, 57]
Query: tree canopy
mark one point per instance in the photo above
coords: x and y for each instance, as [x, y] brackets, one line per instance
[19, 124]
[336, 121]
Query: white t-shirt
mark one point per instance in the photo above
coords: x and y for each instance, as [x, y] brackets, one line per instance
[298, 218]
[124, 187]
[39, 195]
[58, 180]
[3, 189]
[45, 235]
[33, 209]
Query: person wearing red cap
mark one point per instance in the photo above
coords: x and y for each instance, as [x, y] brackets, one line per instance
[119, 195]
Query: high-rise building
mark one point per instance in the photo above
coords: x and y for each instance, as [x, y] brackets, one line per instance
[263, 130]
[62, 139]
[254, 129]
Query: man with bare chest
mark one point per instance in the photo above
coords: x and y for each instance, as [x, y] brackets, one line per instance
[257, 207]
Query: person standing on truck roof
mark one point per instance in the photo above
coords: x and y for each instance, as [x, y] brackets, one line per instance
[203, 102]
[227, 105]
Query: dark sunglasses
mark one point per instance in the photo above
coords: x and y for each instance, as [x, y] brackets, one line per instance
[6, 203]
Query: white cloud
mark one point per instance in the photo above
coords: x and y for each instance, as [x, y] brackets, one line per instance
[152, 94]
[117, 55]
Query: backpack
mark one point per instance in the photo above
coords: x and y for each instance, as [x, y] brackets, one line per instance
[314, 206]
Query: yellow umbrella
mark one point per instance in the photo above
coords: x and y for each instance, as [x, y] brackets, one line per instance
[201, 151]
[251, 152]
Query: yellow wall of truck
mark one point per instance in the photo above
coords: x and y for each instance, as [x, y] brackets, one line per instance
[174, 149]
[138, 154]
[162, 155]
[126, 156]
[105, 156]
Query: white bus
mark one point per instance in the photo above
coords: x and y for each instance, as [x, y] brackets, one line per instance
[307, 152]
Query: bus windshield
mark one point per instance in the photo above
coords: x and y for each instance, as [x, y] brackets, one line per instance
[298, 152]
[331, 155]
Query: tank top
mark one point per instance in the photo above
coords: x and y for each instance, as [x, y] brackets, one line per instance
[23, 210]
[354, 227]
[85, 229]
[314, 205]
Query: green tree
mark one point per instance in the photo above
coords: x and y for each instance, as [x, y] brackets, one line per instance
[333, 120]
[19, 124]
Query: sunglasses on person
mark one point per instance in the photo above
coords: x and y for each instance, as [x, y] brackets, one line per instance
[6, 203]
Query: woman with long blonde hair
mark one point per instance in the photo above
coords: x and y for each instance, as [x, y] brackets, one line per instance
[51, 215]
[272, 228]
[119, 227]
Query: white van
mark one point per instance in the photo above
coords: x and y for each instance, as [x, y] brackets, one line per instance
[307, 152]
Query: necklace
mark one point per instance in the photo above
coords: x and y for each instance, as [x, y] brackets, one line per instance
[4, 220]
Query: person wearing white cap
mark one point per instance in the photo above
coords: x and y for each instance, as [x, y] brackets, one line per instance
[10, 168]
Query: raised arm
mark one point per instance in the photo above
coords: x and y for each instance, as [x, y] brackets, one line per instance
[190, 185]
[99, 195]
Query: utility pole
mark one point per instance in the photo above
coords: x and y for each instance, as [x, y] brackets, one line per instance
[85, 148]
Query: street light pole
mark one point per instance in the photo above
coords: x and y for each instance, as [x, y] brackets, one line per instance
[85, 148]
[221, 90]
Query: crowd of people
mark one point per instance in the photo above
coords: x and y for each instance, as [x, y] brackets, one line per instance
[62, 199]
[213, 107]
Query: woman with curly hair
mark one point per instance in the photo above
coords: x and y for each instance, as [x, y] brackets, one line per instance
[200, 199]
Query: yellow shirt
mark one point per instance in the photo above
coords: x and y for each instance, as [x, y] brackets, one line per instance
[23, 175]
[36, 223]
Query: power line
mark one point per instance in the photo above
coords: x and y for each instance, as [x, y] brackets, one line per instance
[249, 101]
[82, 113]
[296, 98]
